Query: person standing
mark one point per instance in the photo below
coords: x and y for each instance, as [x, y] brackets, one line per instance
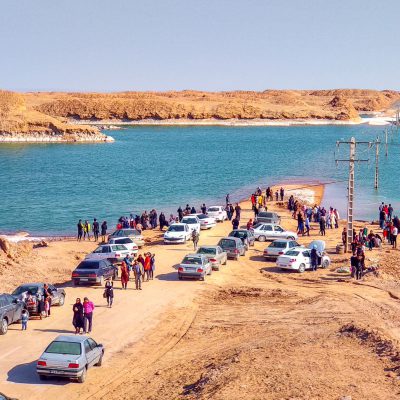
[195, 238]
[227, 199]
[124, 275]
[147, 266]
[96, 230]
[24, 320]
[282, 193]
[88, 308]
[359, 267]
[238, 210]
[395, 232]
[322, 225]
[47, 299]
[152, 266]
[86, 230]
[228, 212]
[77, 320]
[80, 230]
[204, 209]
[235, 223]
[180, 213]
[307, 225]
[103, 231]
[314, 258]
[109, 292]
[139, 272]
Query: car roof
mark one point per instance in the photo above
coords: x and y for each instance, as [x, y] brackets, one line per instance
[209, 247]
[283, 240]
[232, 238]
[299, 248]
[194, 255]
[119, 238]
[178, 224]
[70, 338]
[32, 284]
[215, 206]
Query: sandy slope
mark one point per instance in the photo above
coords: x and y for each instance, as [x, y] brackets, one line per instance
[249, 331]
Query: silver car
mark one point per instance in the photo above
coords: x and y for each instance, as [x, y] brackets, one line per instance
[194, 266]
[279, 247]
[69, 357]
[134, 234]
[233, 246]
[263, 232]
[215, 255]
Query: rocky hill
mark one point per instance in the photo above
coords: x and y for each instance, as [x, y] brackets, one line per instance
[53, 116]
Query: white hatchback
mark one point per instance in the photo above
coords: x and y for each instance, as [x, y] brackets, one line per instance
[177, 233]
[299, 259]
[111, 252]
[192, 221]
[127, 242]
[217, 212]
[206, 222]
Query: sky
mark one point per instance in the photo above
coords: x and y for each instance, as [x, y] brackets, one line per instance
[113, 45]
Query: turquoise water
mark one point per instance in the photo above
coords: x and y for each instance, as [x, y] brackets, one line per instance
[46, 188]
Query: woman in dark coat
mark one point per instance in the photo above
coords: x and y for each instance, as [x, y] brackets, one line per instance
[109, 293]
[78, 321]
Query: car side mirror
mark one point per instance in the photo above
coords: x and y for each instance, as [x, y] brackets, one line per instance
[99, 345]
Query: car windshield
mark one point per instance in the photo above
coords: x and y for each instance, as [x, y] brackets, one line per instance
[189, 220]
[292, 253]
[238, 234]
[224, 243]
[280, 245]
[176, 228]
[265, 215]
[21, 289]
[202, 216]
[206, 250]
[259, 225]
[192, 260]
[88, 265]
[213, 209]
[59, 347]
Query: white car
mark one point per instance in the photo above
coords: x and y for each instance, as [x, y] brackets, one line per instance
[217, 212]
[111, 252]
[263, 232]
[177, 233]
[206, 222]
[299, 259]
[127, 242]
[192, 221]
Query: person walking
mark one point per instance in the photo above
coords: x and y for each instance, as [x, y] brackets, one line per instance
[139, 272]
[359, 267]
[314, 258]
[96, 230]
[88, 308]
[109, 292]
[307, 225]
[147, 266]
[322, 225]
[24, 320]
[80, 230]
[103, 231]
[195, 238]
[235, 223]
[124, 275]
[47, 299]
[77, 320]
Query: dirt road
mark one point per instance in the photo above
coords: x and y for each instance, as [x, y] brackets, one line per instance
[249, 331]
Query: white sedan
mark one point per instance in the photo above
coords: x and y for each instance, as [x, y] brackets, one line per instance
[192, 221]
[263, 232]
[127, 242]
[177, 233]
[111, 252]
[299, 259]
[206, 222]
[217, 212]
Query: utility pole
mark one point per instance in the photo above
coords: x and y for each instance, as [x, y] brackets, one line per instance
[376, 163]
[350, 188]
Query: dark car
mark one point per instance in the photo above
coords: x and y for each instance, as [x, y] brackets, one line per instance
[247, 237]
[10, 311]
[94, 272]
[29, 294]
[233, 247]
[267, 217]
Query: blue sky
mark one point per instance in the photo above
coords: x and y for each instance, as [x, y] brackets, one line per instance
[110, 45]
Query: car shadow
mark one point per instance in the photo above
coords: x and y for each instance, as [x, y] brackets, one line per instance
[26, 374]
[54, 330]
[276, 270]
[171, 276]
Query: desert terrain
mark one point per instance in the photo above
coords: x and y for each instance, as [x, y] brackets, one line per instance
[53, 116]
[249, 331]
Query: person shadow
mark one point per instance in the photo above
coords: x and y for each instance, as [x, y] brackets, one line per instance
[26, 374]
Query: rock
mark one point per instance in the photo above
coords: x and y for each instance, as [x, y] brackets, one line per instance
[42, 243]
[345, 398]
[5, 245]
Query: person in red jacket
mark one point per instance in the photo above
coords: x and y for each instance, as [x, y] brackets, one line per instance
[147, 266]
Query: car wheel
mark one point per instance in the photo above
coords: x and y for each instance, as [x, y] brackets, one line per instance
[261, 238]
[61, 301]
[3, 327]
[100, 362]
[43, 377]
[180, 277]
[82, 378]
[325, 264]
[302, 268]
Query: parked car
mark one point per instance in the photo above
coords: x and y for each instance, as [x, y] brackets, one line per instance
[246, 236]
[267, 217]
[127, 242]
[194, 266]
[10, 311]
[299, 258]
[134, 234]
[177, 233]
[28, 293]
[206, 222]
[215, 255]
[263, 232]
[192, 221]
[217, 212]
[69, 357]
[279, 247]
[94, 272]
[233, 246]
[110, 252]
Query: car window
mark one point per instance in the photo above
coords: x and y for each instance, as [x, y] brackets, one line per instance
[88, 265]
[226, 243]
[87, 346]
[99, 250]
[306, 253]
[125, 241]
[293, 244]
[176, 228]
[278, 229]
[189, 220]
[92, 343]
[60, 347]
[268, 228]
[213, 209]
[52, 288]
[121, 247]
[26, 288]
[292, 253]
[192, 260]
[278, 245]
[2, 302]
[206, 250]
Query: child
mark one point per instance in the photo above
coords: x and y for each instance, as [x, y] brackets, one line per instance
[46, 307]
[24, 319]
